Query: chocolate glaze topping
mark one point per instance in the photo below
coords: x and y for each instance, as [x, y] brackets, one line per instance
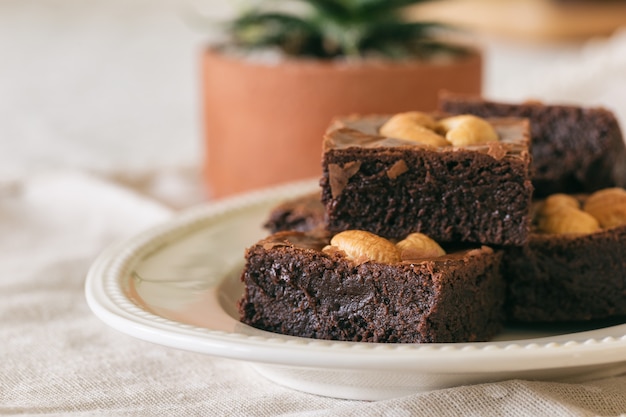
[363, 132]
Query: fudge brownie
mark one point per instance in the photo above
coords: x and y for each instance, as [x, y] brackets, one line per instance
[574, 149]
[295, 285]
[392, 187]
[303, 213]
[572, 269]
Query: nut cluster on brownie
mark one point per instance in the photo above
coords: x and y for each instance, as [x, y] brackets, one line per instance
[462, 130]
[565, 214]
[361, 246]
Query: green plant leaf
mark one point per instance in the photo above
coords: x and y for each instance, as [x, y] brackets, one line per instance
[404, 31]
[334, 8]
[386, 5]
[288, 32]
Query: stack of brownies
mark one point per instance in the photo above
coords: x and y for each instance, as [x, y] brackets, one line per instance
[439, 227]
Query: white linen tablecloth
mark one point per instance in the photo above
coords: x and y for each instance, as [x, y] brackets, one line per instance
[59, 359]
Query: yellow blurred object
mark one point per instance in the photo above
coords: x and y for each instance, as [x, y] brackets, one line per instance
[537, 20]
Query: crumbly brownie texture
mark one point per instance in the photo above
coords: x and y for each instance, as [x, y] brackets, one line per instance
[561, 277]
[292, 287]
[301, 214]
[393, 187]
[574, 149]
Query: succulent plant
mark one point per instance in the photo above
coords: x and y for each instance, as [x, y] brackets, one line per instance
[328, 29]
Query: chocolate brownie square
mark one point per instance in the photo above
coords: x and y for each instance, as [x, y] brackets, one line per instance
[575, 149]
[295, 285]
[574, 265]
[392, 187]
[303, 213]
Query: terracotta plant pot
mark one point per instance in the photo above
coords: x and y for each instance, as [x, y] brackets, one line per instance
[264, 122]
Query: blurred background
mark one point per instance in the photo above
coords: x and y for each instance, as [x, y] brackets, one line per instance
[112, 87]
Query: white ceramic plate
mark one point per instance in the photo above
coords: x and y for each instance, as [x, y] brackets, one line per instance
[177, 285]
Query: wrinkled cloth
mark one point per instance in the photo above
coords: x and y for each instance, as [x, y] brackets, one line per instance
[59, 359]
